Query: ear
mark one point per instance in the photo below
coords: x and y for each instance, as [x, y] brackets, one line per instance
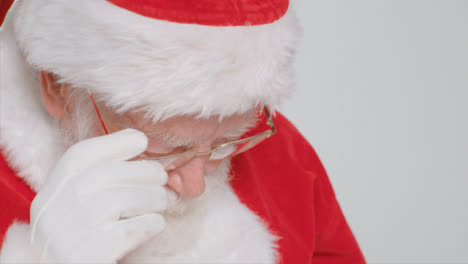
[53, 95]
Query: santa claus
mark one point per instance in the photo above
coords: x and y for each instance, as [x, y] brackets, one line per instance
[144, 132]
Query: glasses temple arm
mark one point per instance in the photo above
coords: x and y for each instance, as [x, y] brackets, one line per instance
[97, 112]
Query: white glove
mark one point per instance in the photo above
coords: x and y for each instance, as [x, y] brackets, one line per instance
[96, 206]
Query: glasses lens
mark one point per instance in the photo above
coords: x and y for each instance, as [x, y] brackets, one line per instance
[235, 149]
[224, 152]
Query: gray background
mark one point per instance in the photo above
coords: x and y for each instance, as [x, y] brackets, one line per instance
[382, 95]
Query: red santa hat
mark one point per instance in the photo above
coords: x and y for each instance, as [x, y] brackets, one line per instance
[172, 57]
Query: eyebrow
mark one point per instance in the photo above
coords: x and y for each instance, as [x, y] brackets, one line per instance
[171, 139]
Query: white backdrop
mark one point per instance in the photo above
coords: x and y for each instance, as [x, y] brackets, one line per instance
[383, 97]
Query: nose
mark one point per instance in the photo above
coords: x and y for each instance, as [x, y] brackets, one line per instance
[188, 180]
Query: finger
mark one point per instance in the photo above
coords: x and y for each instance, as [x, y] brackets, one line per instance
[127, 173]
[118, 146]
[114, 241]
[120, 202]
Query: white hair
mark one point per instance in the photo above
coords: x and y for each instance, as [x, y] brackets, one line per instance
[83, 118]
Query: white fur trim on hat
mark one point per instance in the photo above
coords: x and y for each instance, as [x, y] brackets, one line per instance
[161, 67]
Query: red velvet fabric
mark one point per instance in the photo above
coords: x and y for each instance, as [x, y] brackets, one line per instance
[4, 7]
[209, 12]
[282, 180]
[15, 198]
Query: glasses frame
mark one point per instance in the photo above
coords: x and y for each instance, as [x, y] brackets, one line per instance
[195, 153]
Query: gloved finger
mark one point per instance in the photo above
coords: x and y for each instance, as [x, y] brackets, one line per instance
[127, 173]
[120, 202]
[112, 242]
[118, 146]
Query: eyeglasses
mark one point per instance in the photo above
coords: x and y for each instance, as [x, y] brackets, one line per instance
[182, 155]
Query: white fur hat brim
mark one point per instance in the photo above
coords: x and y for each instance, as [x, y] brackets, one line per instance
[161, 67]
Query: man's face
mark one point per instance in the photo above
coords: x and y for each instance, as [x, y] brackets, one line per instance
[75, 112]
[185, 132]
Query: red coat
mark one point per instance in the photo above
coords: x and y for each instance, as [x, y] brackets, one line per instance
[282, 180]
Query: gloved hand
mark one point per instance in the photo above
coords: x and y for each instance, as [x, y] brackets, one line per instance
[96, 206]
